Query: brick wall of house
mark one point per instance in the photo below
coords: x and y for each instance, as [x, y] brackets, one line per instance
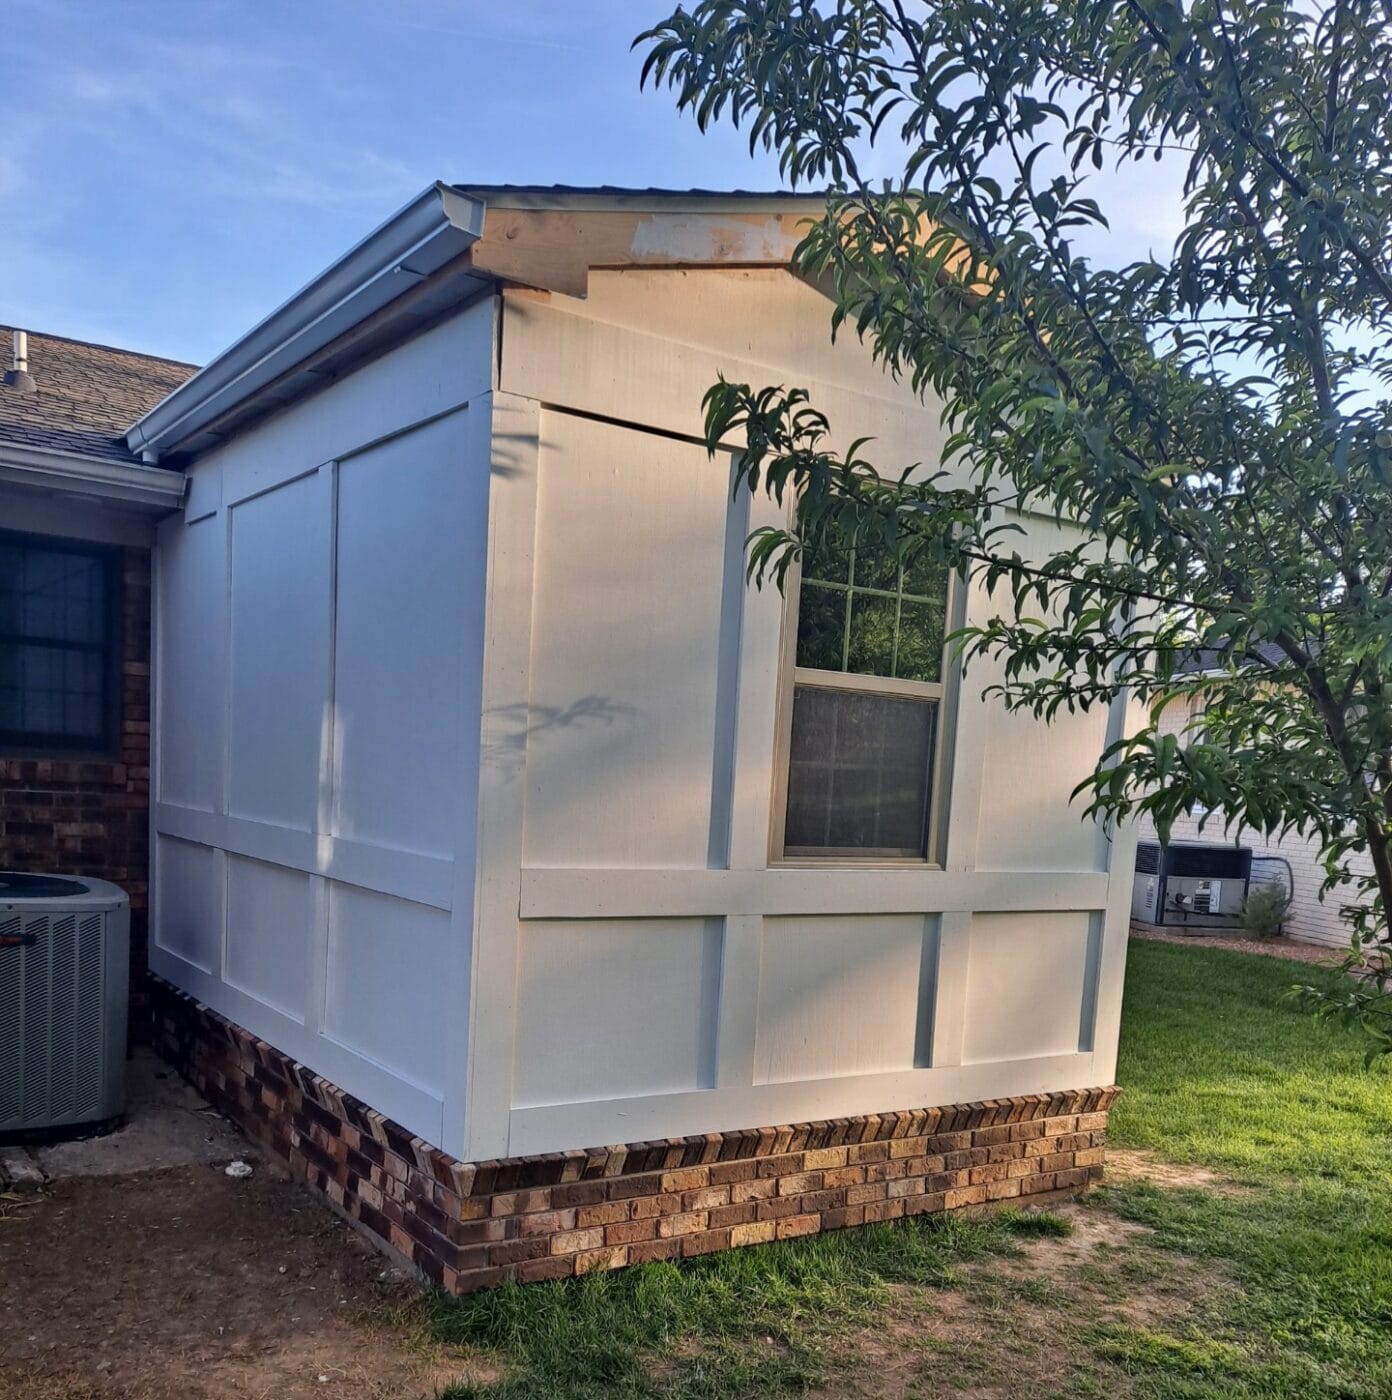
[89, 815]
[468, 1226]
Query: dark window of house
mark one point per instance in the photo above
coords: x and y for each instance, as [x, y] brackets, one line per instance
[58, 615]
[867, 687]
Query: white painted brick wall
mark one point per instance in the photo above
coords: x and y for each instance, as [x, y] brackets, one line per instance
[1311, 919]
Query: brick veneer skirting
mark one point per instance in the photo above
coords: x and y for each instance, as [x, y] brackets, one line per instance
[471, 1225]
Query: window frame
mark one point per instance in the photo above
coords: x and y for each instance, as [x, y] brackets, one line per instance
[23, 743]
[945, 692]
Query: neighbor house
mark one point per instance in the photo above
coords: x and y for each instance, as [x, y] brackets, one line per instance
[546, 896]
[1293, 861]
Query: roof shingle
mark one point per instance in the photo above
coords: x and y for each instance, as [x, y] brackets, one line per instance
[87, 395]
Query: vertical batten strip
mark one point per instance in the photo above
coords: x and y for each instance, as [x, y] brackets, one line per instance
[738, 1014]
[751, 785]
[950, 989]
[1120, 864]
[514, 461]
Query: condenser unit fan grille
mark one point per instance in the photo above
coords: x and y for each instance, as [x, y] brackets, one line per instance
[51, 1010]
[62, 1010]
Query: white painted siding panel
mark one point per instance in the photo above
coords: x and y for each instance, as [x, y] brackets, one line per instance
[269, 910]
[1028, 821]
[615, 1009]
[436, 372]
[1027, 985]
[760, 315]
[384, 997]
[558, 357]
[281, 574]
[190, 904]
[191, 656]
[409, 538]
[842, 996]
[621, 734]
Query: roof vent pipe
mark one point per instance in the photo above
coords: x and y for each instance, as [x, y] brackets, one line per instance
[19, 377]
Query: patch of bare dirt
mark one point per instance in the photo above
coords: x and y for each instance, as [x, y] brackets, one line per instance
[186, 1285]
[1004, 1334]
[1286, 948]
[1125, 1166]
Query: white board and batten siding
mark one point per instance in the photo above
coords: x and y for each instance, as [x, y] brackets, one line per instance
[643, 968]
[479, 828]
[319, 640]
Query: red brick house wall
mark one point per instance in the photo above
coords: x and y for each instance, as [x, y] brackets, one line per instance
[89, 814]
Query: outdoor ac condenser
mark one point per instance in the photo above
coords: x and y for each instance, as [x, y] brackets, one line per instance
[64, 968]
[1190, 883]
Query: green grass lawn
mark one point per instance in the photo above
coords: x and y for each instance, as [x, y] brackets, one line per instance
[1269, 1275]
[1221, 1071]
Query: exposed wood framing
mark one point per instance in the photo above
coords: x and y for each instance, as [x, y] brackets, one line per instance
[554, 250]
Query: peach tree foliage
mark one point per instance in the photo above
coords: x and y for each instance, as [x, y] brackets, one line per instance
[1216, 414]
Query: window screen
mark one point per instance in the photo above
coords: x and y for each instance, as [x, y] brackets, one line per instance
[866, 692]
[57, 649]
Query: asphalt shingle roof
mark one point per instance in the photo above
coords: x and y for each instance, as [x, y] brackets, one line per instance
[87, 395]
[1203, 659]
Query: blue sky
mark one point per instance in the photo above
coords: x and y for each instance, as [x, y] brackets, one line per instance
[170, 170]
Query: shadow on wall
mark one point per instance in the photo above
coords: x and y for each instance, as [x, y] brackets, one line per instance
[510, 449]
[525, 722]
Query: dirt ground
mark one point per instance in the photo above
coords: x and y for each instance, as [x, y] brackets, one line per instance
[1269, 947]
[187, 1284]
[176, 1282]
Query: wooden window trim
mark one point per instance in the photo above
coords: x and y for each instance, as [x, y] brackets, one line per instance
[945, 692]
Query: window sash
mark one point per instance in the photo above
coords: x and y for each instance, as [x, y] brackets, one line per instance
[921, 694]
[29, 740]
[852, 589]
[876, 685]
[793, 676]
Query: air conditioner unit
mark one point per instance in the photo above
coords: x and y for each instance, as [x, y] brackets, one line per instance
[1190, 884]
[64, 969]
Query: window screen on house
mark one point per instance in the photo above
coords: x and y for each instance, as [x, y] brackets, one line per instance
[57, 609]
[867, 687]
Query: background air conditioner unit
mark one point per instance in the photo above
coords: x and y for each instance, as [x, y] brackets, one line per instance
[1190, 884]
[64, 969]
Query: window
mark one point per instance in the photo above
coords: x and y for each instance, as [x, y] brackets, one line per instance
[867, 691]
[57, 645]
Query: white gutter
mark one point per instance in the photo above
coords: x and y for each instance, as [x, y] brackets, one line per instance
[432, 229]
[155, 488]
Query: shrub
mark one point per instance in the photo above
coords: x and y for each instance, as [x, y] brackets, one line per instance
[1265, 909]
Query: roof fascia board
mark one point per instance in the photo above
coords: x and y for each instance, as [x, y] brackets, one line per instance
[651, 202]
[148, 488]
[432, 229]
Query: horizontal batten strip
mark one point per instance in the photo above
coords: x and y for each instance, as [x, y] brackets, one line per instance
[545, 1128]
[404, 874]
[630, 894]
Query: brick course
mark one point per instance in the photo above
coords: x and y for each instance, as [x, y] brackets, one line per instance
[89, 814]
[472, 1225]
